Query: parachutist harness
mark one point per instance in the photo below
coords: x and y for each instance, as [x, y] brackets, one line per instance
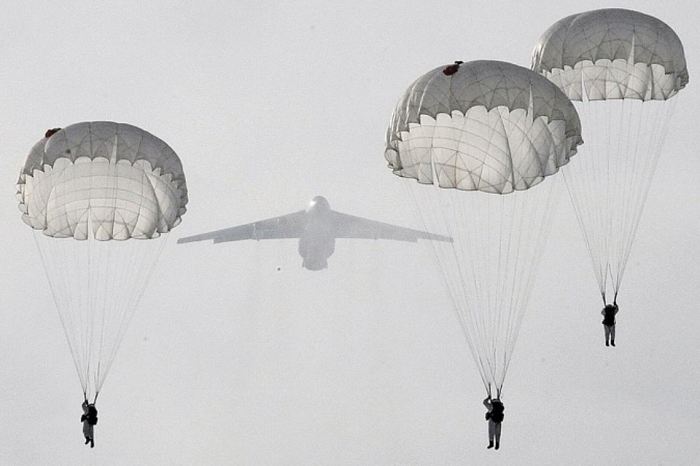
[91, 416]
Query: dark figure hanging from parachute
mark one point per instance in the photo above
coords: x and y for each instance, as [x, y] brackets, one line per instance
[495, 417]
[89, 420]
[608, 314]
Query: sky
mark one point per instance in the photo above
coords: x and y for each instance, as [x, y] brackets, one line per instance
[229, 360]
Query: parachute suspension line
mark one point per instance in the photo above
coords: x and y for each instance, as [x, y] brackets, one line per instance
[583, 185]
[459, 223]
[148, 261]
[627, 191]
[658, 117]
[651, 129]
[495, 215]
[605, 216]
[465, 229]
[103, 280]
[620, 168]
[623, 189]
[472, 326]
[488, 276]
[131, 270]
[627, 194]
[100, 269]
[111, 275]
[519, 295]
[432, 219]
[480, 306]
[543, 212]
[75, 268]
[437, 198]
[61, 303]
[91, 304]
[504, 234]
[65, 270]
[86, 309]
[139, 258]
[456, 252]
[481, 213]
[523, 259]
[609, 181]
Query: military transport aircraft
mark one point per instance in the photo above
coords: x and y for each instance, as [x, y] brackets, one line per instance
[317, 228]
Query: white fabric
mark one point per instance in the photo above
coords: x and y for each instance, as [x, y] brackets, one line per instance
[494, 151]
[114, 179]
[612, 54]
[491, 126]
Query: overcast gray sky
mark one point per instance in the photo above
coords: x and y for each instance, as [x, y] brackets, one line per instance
[230, 361]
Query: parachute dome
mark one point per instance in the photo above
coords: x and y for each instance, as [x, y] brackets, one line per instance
[489, 126]
[116, 179]
[612, 54]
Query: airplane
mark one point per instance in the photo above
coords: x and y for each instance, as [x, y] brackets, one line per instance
[317, 227]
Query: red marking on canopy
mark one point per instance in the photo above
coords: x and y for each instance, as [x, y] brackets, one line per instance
[452, 69]
[51, 132]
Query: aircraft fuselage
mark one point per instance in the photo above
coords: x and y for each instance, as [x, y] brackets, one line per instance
[317, 243]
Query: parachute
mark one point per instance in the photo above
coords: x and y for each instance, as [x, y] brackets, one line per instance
[98, 195]
[621, 68]
[480, 138]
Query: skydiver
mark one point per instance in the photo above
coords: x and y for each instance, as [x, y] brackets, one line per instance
[608, 314]
[495, 417]
[89, 419]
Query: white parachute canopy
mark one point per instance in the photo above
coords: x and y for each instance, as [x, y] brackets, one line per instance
[480, 138]
[622, 69]
[98, 196]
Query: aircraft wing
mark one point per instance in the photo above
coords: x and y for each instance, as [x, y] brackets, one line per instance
[349, 226]
[286, 226]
